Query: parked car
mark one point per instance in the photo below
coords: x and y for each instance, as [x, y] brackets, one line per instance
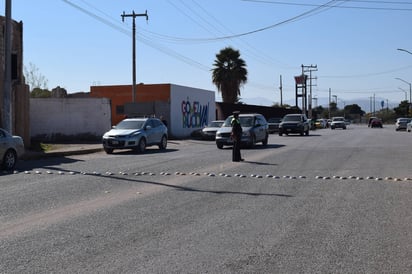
[320, 123]
[338, 122]
[401, 123]
[136, 134]
[209, 131]
[273, 124]
[376, 123]
[371, 119]
[255, 130]
[11, 149]
[409, 126]
[294, 123]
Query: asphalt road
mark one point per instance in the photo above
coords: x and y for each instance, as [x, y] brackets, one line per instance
[336, 201]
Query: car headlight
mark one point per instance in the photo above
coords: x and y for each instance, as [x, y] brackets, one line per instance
[133, 135]
[246, 133]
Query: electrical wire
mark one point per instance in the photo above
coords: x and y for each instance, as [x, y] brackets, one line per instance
[141, 37]
[148, 39]
[342, 7]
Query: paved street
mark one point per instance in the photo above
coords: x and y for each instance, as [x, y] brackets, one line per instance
[336, 201]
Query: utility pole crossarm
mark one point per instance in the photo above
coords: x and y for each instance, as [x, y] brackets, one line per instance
[134, 15]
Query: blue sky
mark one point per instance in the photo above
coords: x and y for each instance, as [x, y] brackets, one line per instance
[79, 43]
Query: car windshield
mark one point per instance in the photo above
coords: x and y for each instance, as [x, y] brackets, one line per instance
[291, 118]
[245, 121]
[130, 124]
[215, 124]
[338, 119]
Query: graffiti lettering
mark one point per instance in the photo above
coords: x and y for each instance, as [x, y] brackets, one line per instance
[194, 115]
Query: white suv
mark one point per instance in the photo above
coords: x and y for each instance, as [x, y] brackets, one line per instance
[338, 122]
[136, 134]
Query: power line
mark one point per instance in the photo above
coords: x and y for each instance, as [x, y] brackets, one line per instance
[342, 7]
[308, 13]
[367, 74]
[141, 38]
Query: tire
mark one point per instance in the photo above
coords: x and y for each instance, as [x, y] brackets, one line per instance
[302, 133]
[253, 141]
[163, 143]
[280, 133]
[265, 141]
[219, 146]
[108, 150]
[141, 146]
[307, 132]
[9, 160]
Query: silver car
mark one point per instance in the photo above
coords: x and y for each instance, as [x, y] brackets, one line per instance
[11, 148]
[338, 122]
[209, 131]
[254, 127]
[401, 123]
[136, 134]
[409, 126]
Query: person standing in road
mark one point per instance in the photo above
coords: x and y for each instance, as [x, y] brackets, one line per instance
[236, 136]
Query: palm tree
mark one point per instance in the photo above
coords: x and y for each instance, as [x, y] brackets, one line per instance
[229, 74]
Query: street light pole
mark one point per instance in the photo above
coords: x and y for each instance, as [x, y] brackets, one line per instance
[407, 51]
[406, 96]
[410, 88]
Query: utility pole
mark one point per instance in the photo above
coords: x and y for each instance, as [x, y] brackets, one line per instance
[370, 105]
[7, 109]
[309, 69]
[134, 15]
[329, 101]
[280, 88]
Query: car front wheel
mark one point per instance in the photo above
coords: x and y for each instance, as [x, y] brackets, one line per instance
[141, 147]
[163, 143]
[9, 160]
[219, 146]
[265, 141]
[108, 150]
[252, 141]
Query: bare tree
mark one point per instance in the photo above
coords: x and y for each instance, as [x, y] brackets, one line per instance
[34, 78]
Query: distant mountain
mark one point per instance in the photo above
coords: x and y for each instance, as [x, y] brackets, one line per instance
[258, 101]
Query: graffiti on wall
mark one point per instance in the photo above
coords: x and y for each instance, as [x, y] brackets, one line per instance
[194, 114]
